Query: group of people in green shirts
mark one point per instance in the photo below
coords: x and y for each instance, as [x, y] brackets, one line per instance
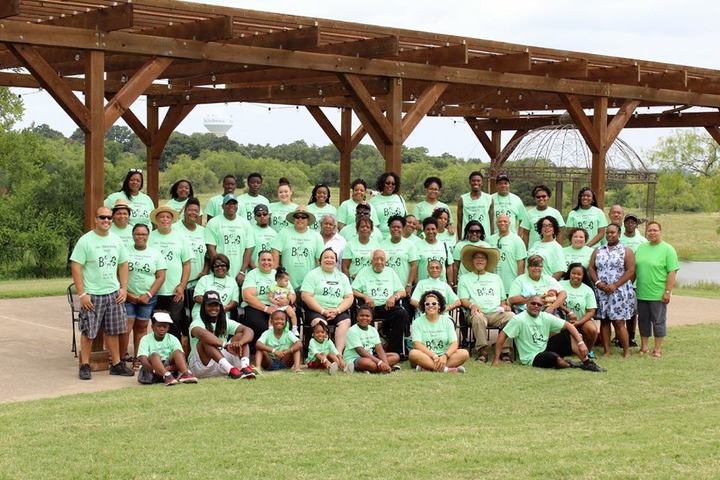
[273, 268]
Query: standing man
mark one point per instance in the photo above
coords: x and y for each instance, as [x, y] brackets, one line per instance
[99, 266]
[230, 234]
[214, 205]
[263, 234]
[512, 251]
[475, 205]
[507, 203]
[252, 198]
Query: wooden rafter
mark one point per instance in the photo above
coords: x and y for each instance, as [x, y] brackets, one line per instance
[620, 119]
[134, 123]
[450, 55]
[367, 107]
[486, 142]
[9, 8]
[50, 81]
[425, 101]
[357, 136]
[174, 116]
[513, 62]
[295, 39]
[566, 69]
[584, 124]
[674, 80]
[135, 87]
[629, 74]
[326, 126]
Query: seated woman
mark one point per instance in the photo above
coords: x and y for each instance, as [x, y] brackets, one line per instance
[255, 295]
[580, 305]
[219, 346]
[435, 343]
[278, 348]
[327, 294]
[364, 351]
[434, 282]
[220, 282]
[535, 282]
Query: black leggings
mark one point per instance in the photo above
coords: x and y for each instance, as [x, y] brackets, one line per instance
[257, 320]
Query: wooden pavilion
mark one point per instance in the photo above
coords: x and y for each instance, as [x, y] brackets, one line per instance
[180, 55]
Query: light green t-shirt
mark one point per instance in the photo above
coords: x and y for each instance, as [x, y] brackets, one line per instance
[591, 219]
[436, 336]
[356, 337]
[263, 240]
[328, 289]
[231, 238]
[509, 205]
[176, 250]
[425, 209]
[141, 206]
[476, 209]
[633, 242]
[299, 252]
[214, 206]
[319, 212]
[580, 299]
[359, 254]
[197, 245]
[278, 214]
[316, 347]
[165, 347]
[231, 328]
[552, 254]
[457, 252]
[653, 263]
[346, 213]
[226, 287]
[125, 235]
[399, 255]
[100, 256]
[179, 206]
[142, 267]
[261, 282]
[531, 334]
[349, 232]
[386, 206]
[577, 255]
[533, 215]
[435, 251]
[378, 286]
[512, 249]
[449, 239]
[486, 291]
[436, 284]
[247, 204]
[526, 286]
[286, 340]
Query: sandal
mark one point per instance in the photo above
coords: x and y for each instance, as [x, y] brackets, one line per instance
[505, 357]
[126, 358]
[482, 355]
[135, 363]
[657, 354]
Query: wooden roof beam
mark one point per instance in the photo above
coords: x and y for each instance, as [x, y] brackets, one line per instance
[629, 74]
[210, 29]
[296, 39]
[672, 80]
[704, 85]
[451, 55]
[512, 62]
[107, 19]
[565, 69]
[369, 47]
[9, 8]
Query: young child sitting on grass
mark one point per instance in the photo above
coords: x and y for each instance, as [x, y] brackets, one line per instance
[321, 351]
[363, 348]
[278, 348]
[161, 354]
[283, 297]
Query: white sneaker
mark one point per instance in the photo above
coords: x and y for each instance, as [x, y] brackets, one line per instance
[349, 367]
[418, 368]
[333, 369]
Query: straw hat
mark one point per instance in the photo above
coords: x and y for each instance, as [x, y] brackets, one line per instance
[120, 204]
[166, 209]
[290, 217]
[469, 251]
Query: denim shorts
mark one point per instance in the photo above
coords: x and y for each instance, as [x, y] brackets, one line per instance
[140, 311]
[276, 364]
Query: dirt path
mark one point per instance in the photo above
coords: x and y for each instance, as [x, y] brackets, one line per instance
[37, 361]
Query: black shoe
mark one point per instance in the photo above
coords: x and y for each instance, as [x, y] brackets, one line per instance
[574, 363]
[121, 369]
[85, 372]
[591, 366]
[633, 343]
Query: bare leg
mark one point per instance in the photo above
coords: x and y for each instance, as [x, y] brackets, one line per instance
[296, 361]
[157, 364]
[458, 358]
[644, 343]
[177, 358]
[422, 359]
[366, 365]
[124, 338]
[657, 350]
[622, 335]
[589, 333]
[85, 348]
[340, 333]
[112, 343]
[605, 336]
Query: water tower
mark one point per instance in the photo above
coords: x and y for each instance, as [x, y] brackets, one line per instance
[217, 124]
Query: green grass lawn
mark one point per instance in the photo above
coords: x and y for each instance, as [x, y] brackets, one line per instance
[644, 418]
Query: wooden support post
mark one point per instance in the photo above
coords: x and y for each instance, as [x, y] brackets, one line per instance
[393, 152]
[153, 160]
[345, 153]
[559, 195]
[600, 126]
[95, 135]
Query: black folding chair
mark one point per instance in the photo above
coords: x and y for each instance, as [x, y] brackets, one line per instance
[75, 306]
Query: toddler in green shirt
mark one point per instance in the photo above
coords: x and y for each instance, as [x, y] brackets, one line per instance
[321, 351]
[161, 355]
[278, 348]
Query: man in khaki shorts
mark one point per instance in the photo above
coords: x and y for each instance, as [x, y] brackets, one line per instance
[482, 293]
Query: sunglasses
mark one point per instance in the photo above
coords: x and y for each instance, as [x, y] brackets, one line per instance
[135, 170]
[301, 217]
[261, 214]
[473, 231]
[536, 304]
[389, 183]
[220, 265]
[431, 304]
[541, 196]
[105, 217]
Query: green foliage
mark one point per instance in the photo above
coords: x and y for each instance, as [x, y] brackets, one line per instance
[11, 108]
[687, 151]
[184, 167]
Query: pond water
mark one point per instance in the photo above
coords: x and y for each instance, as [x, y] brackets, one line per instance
[693, 272]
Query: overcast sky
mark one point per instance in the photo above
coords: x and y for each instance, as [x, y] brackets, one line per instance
[682, 32]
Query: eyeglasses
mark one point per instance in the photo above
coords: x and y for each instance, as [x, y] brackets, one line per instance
[535, 266]
[135, 170]
[105, 217]
[536, 304]
[220, 265]
[431, 304]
